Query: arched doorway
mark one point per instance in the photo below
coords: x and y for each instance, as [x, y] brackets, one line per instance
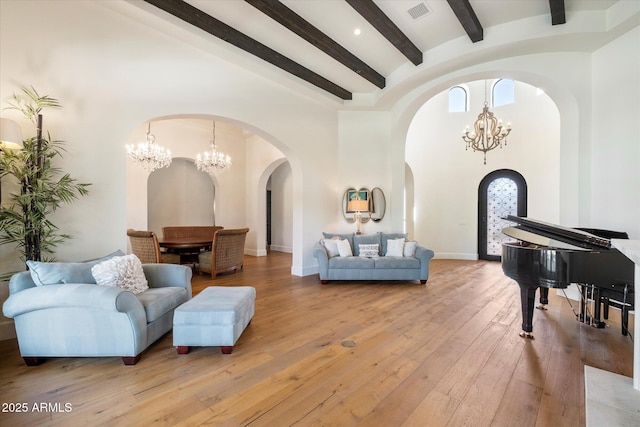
[502, 192]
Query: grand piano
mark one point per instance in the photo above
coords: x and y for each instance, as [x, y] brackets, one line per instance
[551, 256]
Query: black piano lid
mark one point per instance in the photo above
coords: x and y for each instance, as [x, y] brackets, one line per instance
[564, 234]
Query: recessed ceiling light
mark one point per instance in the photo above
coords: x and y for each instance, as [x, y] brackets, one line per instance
[357, 31]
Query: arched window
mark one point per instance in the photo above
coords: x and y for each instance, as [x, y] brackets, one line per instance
[458, 100]
[503, 92]
[500, 193]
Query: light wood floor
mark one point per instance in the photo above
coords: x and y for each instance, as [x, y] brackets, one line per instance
[357, 354]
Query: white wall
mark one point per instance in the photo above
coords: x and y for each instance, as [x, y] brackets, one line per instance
[615, 149]
[446, 175]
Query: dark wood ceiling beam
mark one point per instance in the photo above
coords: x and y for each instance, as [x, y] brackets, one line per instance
[467, 17]
[557, 12]
[294, 22]
[211, 25]
[385, 26]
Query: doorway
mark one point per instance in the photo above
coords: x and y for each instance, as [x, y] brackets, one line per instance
[500, 193]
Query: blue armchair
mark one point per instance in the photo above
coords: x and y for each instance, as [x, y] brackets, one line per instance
[85, 319]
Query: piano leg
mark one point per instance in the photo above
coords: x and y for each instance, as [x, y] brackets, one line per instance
[544, 298]
[527, 301]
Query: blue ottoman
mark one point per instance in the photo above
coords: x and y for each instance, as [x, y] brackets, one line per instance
[215, 317]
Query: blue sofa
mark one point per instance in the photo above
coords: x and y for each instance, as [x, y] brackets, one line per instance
[84, 319]
[415, 266]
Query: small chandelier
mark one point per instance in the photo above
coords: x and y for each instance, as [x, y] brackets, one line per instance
[488, 132]
[213, 161]
[148, 154]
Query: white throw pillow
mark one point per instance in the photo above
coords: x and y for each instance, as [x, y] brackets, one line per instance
[369, 250]
[410, 248]
[395, 247]
[124, 272]
[344, 248]
[331, 245]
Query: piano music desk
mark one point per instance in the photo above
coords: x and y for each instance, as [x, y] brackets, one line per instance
[610, 398]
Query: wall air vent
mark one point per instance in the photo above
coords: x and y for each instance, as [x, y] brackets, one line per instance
[418, 11]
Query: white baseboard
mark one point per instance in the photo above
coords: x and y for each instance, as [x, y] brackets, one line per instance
[277, 248]
[255, 252]
[307, 271]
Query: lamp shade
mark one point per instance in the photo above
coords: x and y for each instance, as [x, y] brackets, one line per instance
[358, 205]
[10, 135]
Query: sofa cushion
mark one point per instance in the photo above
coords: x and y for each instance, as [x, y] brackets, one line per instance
[371, 251]
[331, 245]
[124, 272]
[56, 273]
[347, 236]
[395, 247]
[158, 301]
[410, 248]
[397, 262]
[344, 249]
[360, 239]
[351, 262]
[386, 236]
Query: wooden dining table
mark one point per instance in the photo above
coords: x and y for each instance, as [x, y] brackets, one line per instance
[191, 243]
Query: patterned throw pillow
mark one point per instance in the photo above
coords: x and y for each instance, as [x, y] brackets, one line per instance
[124, 272]
[369, 250]
[410, 248]
[395, 247]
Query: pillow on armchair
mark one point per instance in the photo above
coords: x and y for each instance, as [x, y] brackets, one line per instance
[124, 272]
[57, 273]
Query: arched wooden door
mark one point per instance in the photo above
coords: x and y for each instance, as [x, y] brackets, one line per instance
[501, 193]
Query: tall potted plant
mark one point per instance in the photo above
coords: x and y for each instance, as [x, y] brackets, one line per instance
[25, 219]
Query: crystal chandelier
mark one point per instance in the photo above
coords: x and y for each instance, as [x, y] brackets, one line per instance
[148, 154]
[488, 132]
[213, 161]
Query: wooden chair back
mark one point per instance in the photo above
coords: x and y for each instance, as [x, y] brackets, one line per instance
[144, 244]
[227, 251]
[172, 232]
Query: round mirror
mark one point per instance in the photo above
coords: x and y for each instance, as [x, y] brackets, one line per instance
[377, 205]
[353, 194]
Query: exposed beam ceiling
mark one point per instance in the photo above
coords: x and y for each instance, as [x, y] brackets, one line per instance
[557, 12]
[291, 20]
[467, 17]
[211, 25]
[386, 27]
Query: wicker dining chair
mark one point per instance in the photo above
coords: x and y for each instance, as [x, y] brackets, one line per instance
[227, 252]
[144, 244]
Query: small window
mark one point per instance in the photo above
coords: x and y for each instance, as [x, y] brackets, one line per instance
[458, 100]
[503, 92]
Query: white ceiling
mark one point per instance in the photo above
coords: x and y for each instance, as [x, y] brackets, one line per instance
[338, 20]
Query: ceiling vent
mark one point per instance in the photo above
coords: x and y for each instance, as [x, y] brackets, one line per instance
[418, 11]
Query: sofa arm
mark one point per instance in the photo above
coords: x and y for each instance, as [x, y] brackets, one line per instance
[79, 295]
[320, 253]
[20, 282]
[424, 255]
[168, 275]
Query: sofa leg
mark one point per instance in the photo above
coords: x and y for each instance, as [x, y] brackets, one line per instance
[183, 349]
[32, 361]
[423, 281]
[324, 282]
[226, 349]
[130, 360]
